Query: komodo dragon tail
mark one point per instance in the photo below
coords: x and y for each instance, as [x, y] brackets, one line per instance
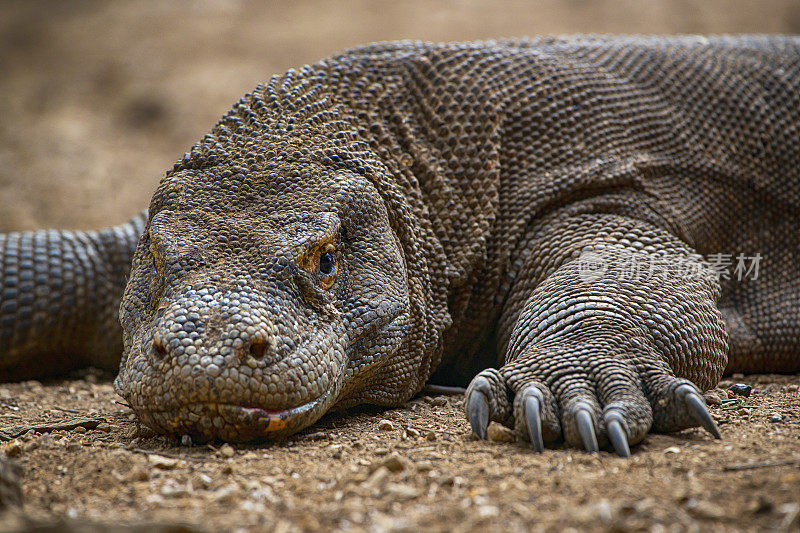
[59, 298]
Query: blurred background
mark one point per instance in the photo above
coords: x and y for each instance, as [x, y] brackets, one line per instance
[98, 99]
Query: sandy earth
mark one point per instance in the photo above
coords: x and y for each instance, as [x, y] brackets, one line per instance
[97, 100]
[405, 469]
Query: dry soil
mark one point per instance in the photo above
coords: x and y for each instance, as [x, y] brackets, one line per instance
[406, 469]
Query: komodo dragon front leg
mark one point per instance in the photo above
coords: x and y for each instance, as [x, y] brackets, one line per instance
[594, 354]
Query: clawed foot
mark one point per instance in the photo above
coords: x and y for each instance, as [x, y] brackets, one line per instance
[602, 405]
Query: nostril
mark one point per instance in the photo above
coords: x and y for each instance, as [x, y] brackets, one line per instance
[258, 349]
[159, 349]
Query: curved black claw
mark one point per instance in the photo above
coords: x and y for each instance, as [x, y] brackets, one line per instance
[531, 408]
[697, 407]
[478, 413]
[583, 417]
[617, 434]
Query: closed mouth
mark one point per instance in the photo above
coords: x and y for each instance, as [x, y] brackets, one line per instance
[240, 421]
[277, 419]
[207, 420]
[264, 419]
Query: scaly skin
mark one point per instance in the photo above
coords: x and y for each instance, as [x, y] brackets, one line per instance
[408, 210]
[59, 298]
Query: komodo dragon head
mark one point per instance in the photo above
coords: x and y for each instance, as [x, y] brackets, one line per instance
[272, 279]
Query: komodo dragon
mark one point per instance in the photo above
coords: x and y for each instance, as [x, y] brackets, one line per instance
[406, 212]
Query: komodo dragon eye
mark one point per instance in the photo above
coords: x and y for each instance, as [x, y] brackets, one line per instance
[327, 267]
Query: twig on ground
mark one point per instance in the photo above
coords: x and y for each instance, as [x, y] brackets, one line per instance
[752, 466]
[443, 389]
[71, 411]
[16, 431]
[167, 454]
[418, 428]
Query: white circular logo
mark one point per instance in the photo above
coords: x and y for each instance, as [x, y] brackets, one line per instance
[591, 266]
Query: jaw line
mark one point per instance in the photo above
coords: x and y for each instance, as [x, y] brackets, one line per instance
[279, 420]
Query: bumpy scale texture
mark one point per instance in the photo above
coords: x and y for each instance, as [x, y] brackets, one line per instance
[408, 210]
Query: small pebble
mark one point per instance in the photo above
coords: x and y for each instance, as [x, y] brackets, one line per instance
[714, 397]
[741, 389]
[412, 433]
[393, 463]
[401, 491]
[705, 510]
[776, 418]
[13, 448]
[424, 466]
[139, 473]
[500, 433]
[80, 429]
[488, 511]
[226, 450]
[385, 425]
[172, 489]
[164, 463]
[202, 480]
[793, 387]
[250, 485]
[439, 401]
[761, 504]
[431, 436]
[381, 451]
[186, 440]
[377, 478]
[227, 493]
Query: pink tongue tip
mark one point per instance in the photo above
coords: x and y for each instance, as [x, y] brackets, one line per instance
[277, 417]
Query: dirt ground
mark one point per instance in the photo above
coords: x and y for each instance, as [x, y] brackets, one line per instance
[96, 102]
[407, 469]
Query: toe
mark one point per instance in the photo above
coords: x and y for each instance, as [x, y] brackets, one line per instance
[696, 405]
[627, 415]
[531, 409]
[585, 423]
[617, 434]
[536, 416]
[678, 404]
[579, 423]
[486, 400]
[478, 412]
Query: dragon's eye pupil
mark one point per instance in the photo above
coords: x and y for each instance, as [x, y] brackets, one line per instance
[326, 264]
